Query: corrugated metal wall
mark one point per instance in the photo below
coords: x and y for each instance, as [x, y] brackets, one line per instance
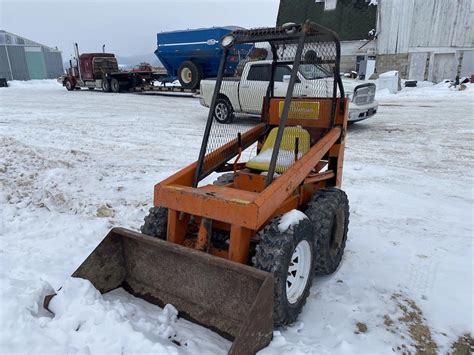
[54, 63]
[405, 24]
[30, 63]
[4, 68]
[18, 62]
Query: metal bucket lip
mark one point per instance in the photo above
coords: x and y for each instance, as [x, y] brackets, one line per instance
[179, 249]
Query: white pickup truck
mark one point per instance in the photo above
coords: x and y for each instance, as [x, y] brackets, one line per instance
[245, 94]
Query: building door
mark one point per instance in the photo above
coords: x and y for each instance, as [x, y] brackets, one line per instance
[444, 67]
[417, 67]
[35, 62]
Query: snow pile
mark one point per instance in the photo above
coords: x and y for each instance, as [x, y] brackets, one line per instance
[427, 91]
[389, 74]
[80, 312]
[290, 219]
[32, 84]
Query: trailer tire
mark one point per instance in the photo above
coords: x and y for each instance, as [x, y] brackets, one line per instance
[223, 111]
[189, 74]
[156, 223]
[105, 85]
[278, 251]
[328, 209]
[69, 85]
[115, 85]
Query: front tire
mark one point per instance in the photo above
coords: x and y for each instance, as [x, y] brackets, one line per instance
[69, 85]
[223, 111]
[289, 256]
[189, 74]
[329, 211]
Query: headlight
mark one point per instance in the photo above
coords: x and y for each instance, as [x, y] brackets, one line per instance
[227, 41]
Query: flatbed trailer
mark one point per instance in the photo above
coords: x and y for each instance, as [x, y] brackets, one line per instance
[101, 71]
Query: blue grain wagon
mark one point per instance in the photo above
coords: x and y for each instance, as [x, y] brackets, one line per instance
[192, 55]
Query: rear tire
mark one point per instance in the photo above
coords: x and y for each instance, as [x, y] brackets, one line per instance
[69, 85]
[329, 211]
[115, 85]
[189, 74]
[289, 256]
[156, 223]
[223, 111]
[105, 85]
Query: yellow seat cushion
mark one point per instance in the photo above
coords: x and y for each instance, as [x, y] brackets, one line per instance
[286, 156]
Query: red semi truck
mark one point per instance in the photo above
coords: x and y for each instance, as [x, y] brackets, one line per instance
[101, 71]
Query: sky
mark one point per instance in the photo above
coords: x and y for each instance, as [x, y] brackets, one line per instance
[127, 28]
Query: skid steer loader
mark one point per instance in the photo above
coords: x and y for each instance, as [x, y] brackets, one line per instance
[238, 256]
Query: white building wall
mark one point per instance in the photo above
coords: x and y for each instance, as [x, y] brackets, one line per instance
[407, 24]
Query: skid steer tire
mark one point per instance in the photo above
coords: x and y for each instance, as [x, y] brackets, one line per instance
[156, 222]
[224, 179]
[329, 211]
[275, 253]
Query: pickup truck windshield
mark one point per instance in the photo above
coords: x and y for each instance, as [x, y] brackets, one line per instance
[312, 72]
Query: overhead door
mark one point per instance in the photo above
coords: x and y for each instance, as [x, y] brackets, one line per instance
[35, 62]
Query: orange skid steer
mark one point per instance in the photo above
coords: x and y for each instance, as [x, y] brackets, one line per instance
[238, 256]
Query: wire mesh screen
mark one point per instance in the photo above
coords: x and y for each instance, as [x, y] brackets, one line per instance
[302, 61]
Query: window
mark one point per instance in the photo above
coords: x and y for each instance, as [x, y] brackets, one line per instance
[281, 71]
[259, 73]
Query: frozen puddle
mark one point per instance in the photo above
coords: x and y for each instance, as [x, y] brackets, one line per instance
[118, 322]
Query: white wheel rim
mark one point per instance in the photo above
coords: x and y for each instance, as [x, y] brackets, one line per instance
[298, 271]
[221, 111]
[186, 75]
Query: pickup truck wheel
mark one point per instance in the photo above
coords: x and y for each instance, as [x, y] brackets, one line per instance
[189, 74]
[115, 85]
[105, 85]
[223, 112]
[69, 85]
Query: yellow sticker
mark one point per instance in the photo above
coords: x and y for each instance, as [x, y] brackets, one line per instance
[306, 110]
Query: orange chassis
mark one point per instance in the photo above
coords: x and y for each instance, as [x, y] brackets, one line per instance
[246, 205]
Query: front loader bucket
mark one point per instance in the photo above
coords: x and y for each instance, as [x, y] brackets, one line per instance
[232, 299]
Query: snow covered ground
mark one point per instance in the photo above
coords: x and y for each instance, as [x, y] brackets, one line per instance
[75, 164]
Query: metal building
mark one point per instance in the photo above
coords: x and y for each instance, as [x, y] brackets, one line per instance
[422, 39]
[23, 59]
